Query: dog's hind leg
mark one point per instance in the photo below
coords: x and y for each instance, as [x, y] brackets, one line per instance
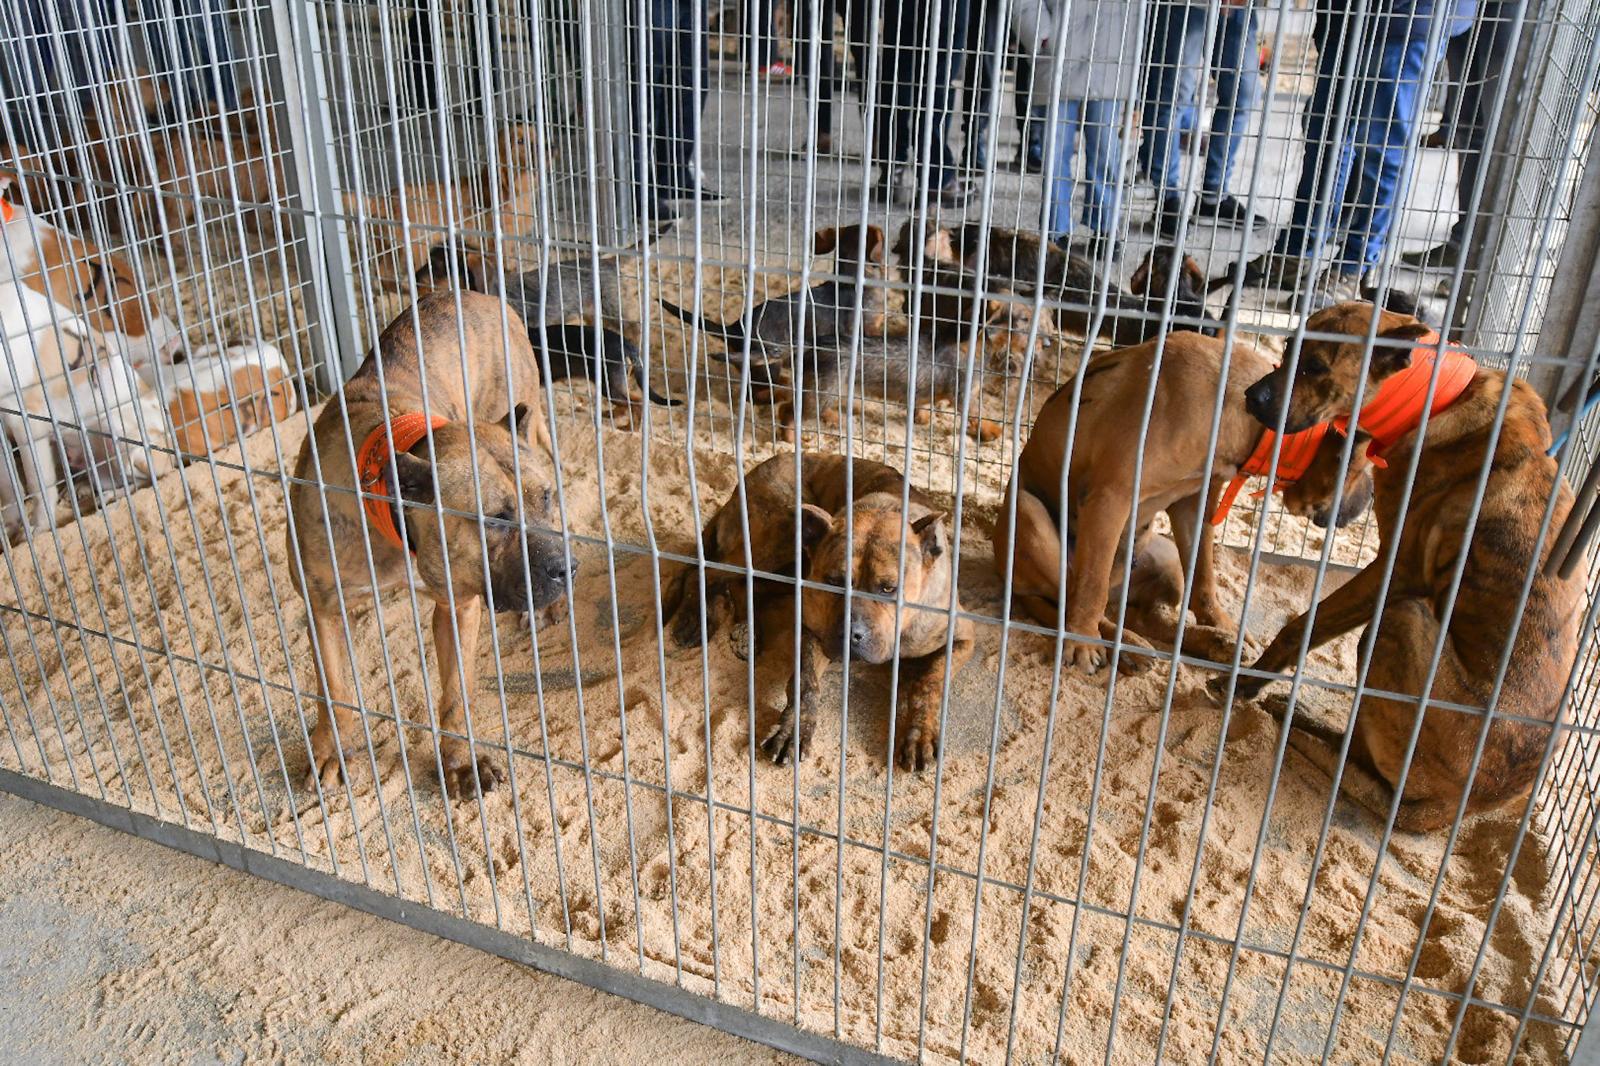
[335, 733]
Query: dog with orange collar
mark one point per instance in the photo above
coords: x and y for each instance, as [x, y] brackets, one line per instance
[1420, 395]
[1074, 494]
[449, 489]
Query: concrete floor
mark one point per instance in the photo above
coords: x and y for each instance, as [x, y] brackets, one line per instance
[119, 950]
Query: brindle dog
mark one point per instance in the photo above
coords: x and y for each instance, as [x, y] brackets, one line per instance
[871, 556]
[1504, 547]
[527, 566]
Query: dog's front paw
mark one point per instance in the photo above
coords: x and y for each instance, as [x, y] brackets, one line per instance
[1087, 658]
[465, 776]
[1247, 688]
[326, 770]
[784, 741]
[918, 748]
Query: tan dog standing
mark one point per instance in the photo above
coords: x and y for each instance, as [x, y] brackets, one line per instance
[871, 556]
[1503, 549]
[1099, 511]
[403, 486]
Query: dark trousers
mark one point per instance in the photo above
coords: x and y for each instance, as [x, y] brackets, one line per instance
[673, 120]
[983, 66]
[914, 83]
[1478, 57]
[854, 13]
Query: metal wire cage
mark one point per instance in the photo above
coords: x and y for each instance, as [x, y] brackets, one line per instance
[1114, 867]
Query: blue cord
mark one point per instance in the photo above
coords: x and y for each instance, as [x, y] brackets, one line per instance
[1583, 412]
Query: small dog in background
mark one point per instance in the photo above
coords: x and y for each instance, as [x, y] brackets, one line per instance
[396, 252]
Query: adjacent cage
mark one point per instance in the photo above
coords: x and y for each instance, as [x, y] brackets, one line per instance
[719, 234]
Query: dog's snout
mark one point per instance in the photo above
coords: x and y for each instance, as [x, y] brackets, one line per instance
[559, 567]
[1260, 400]
[860, 634]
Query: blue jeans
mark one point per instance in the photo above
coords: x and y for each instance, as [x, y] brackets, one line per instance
[1099, 122]
[1172, 87]
[1391, 75]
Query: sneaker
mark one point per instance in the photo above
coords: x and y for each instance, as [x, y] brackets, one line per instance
[704, 193]
[1440, 257]
[777, 71]
[954, 193]
[885, 186]
[1228, 209]
[1437, 139]
[1271, 270]
[1169, 216]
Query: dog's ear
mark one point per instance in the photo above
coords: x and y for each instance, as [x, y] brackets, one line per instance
[814, 525]
[1139, 284]
[825, 241]
[1395, 356]
[517, 418]
[876, 245]
[416, 483]
[930, 531]
[1192, 271]
[902, 243]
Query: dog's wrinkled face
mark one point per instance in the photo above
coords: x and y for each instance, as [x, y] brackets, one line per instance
[937, 243]
[1328, 373]
[1155, 274]
[1312, 495]
[508, 529]
[872, 559]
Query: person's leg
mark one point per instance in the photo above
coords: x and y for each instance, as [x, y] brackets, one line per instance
[891, 95]
[1390, 115]
[1102, 163]
[1456, 60]
[1170, 48]
[926, 95]
[980, 75]
[758, 30]
[1313, 211]
[1058, 172]
[1237, 83]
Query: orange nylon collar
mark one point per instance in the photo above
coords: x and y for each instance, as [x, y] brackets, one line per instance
[1294, 459]
[372, 468]
[1396, 410]
[7, 212]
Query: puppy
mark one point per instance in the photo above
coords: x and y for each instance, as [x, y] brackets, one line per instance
[215, 396]
[1099, 510]
[950, 307]
[884, 371]
[554, 296]
[774, 500]
[774, 328]
[1149, 288]
[505, 554]
[397, 252]
[1504, 547]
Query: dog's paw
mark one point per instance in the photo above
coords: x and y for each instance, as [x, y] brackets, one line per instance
[1088, 658]
[460, 780]
[326, 770]
[1247, 688]
[917, 749]
[783, 742]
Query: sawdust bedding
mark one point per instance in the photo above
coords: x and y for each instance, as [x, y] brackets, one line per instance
[177, 697]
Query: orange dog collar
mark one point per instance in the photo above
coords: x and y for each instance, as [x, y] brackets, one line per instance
[1294, 459]
[1396, 410]
[372, 468]
[7, 212]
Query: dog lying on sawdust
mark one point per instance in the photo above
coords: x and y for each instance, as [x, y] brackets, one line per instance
[439, 508]
[1097, 429]
[1502, 550]
[891, 614]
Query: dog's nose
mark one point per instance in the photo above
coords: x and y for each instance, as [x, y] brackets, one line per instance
[1258, 400]
[558, 568]
[859, 634]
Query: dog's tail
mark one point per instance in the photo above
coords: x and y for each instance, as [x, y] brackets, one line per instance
[732, 334]
[636, 365]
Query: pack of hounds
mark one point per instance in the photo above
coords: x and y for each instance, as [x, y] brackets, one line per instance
[451, 487]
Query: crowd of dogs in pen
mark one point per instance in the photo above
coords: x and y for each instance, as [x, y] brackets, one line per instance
[436, 468]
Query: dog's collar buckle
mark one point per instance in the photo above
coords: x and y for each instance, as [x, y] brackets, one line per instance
[378, 497]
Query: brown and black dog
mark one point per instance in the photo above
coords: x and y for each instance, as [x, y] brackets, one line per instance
[1505, 547]
[871, 556]
[526, 565]
[1099, 509]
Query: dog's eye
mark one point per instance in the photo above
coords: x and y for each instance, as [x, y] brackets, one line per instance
[887, 588]
[1313, 368]
[508, 513]
[545, 498]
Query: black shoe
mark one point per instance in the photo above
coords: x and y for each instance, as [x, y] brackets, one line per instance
[1101, 248]
[1440, 257]
[1169, 217]
[954, 193]
[1228, 209]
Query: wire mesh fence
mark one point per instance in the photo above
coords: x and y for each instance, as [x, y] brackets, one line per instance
[712, 491]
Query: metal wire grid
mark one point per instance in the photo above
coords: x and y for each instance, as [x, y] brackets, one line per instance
[388, 851]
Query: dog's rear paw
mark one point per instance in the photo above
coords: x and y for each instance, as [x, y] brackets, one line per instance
[984, 429]
[328, 771]
[918, 749]
[465, 778]
[1247, 688]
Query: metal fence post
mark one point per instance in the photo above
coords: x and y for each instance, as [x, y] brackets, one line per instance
[317, 219]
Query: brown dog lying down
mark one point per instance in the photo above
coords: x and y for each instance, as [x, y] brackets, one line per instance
[502, 550]
[1503, 549]
[1099, 509]
[871, 556]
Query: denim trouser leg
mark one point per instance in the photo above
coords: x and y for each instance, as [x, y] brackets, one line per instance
[1097, 121]
[1173, 46]
[1058, 171]
[1238, 84]
[1314, 211]
[1390, 113]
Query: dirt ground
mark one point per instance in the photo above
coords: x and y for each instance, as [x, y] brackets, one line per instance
[120, 950]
